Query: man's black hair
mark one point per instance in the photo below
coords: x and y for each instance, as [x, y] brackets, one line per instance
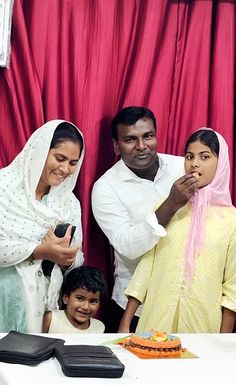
[130, 115]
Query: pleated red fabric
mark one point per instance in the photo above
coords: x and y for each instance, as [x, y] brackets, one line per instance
[82, 60]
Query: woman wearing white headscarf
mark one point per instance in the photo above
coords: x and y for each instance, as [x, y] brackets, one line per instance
[35, 195]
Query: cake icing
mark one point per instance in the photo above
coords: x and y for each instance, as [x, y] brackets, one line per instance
[155, 344]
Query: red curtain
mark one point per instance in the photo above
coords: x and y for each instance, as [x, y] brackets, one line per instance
[82, 60]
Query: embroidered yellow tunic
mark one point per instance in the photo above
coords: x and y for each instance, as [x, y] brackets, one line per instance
[159, 281]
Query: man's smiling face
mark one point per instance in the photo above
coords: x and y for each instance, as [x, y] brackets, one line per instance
[137, 144]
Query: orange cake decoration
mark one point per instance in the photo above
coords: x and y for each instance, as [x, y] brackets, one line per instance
[155, 344]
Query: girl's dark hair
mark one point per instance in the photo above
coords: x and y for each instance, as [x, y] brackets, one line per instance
[66, 131]
[84, 277]
[207, 137]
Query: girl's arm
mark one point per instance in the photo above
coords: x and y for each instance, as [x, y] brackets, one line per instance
[228, 320]
[228, 301]
[130, 310]
[47, 321]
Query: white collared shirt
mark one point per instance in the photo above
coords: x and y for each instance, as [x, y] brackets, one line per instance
[124, 206]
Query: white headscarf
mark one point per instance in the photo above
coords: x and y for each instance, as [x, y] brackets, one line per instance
[24, 220]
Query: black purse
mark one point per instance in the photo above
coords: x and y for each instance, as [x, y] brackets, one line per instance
[88, 361]
[27, 349]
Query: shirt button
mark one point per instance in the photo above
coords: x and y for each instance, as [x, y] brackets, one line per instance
[40, 273]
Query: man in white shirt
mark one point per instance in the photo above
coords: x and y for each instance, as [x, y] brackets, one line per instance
[126, 197]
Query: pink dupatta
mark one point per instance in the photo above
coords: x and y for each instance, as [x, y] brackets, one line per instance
[215, 194]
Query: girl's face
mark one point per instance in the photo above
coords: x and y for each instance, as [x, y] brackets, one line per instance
[81, 305]
[200, 161]
[60, 163]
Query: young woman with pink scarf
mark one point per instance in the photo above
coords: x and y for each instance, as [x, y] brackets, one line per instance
[188, 281]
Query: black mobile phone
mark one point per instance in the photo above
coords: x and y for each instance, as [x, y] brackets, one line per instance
[61, 228]
[59, 231]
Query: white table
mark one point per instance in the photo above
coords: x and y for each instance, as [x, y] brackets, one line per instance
[215, 366]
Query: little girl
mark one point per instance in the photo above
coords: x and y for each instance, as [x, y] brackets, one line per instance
[82, 291]
[188, 281]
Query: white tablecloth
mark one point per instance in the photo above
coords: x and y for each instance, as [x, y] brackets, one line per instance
[215, 366]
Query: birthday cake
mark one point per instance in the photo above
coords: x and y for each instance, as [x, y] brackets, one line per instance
[155, 344]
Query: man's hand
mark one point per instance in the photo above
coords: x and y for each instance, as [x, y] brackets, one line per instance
[181, 192]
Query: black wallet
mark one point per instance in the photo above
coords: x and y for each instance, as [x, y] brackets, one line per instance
[88, 361]
[27, 349]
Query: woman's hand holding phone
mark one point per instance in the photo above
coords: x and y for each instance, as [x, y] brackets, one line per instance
[56, 246]
[62, 235]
